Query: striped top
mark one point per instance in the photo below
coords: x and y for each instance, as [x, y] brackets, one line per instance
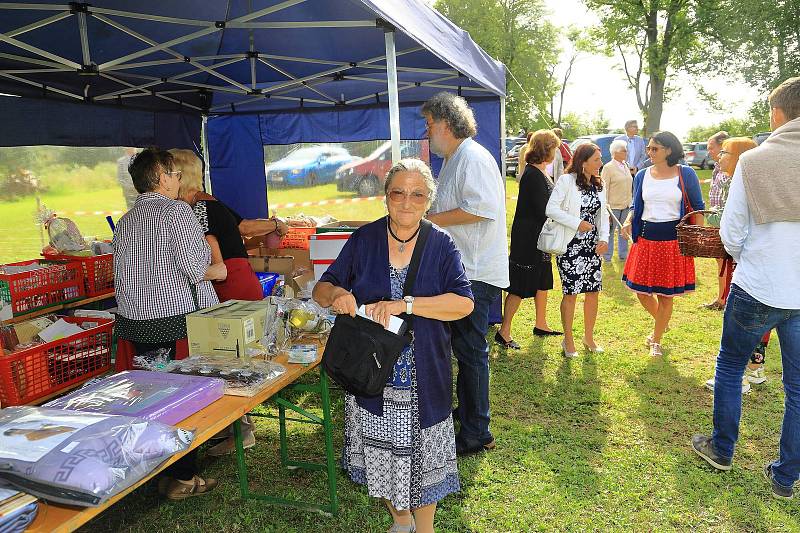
[159, 250]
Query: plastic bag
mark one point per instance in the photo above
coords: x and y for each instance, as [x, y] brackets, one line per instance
[64, 235]
[160, 397]
[155, 360]
[293, 321]
[241, 379]
[81, 458]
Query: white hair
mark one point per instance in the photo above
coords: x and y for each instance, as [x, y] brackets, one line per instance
[617, 146]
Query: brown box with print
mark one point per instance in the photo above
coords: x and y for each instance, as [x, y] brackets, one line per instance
[228, 329]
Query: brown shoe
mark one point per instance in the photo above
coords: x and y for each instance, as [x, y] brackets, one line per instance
[180, 490]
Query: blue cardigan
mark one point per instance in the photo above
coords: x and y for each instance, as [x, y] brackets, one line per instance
[363, 268]
[693, 192]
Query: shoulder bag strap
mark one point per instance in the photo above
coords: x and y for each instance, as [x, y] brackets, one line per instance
[686, 202]
[413, 266]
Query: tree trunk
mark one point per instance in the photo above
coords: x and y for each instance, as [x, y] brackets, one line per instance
[655, 106]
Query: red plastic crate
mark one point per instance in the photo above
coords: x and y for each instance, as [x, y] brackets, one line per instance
[98, 272]
[57, 283]
[297, 237]
[27, 375]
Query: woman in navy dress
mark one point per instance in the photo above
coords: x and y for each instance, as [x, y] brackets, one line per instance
[401, 445]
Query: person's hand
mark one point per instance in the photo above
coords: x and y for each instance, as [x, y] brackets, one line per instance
[344, 303]
[602, 248]
[626, 230]
[281, 226]
[585, 226]
[217, 272]
[380, 312]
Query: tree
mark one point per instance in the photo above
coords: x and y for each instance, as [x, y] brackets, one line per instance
[575, 125]
[652, 38]
[514, 32]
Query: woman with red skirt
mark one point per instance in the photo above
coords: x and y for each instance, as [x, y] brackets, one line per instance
[655, 268]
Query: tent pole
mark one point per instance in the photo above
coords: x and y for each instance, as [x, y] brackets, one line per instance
[503, 135]
[394, 106]
[207, 165]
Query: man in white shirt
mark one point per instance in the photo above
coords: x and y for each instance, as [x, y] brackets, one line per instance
[470, 205]
[760, 228]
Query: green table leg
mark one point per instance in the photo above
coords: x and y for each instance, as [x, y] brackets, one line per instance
[330, 460]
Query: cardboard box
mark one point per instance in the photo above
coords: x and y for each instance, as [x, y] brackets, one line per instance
[343, 225]
[320, 266]
[279, 264]
[226, 329]
[327, 245]
[301, 257]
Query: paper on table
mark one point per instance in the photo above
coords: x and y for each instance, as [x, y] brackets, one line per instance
[395, 323]
[59, 330]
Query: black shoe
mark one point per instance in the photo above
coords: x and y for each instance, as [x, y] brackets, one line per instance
[473, 447]
[779, 491]
[703, 447]
[507, 344]
[544, 333]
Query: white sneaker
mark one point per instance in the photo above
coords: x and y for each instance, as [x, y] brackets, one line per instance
[745, 385]
[755, 376]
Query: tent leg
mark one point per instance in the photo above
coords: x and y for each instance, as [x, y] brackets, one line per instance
[206, 164]
[394, 106]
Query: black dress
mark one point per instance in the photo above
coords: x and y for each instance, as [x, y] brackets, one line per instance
[529, 269]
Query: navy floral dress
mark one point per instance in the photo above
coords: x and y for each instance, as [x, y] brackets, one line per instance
[580, 267]
[391, 454]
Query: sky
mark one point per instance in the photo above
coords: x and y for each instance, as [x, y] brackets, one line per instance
[599, 84]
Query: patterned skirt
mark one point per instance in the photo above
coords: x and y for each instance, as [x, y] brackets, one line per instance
[655, 264]
[391, 454]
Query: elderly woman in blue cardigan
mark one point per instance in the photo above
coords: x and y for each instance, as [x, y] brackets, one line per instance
[402, 444]
[655, 268]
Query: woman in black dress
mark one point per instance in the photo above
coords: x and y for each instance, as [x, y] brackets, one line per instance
[530, 271]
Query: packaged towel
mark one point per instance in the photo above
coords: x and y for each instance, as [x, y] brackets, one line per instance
[79, 458]
[165, 398]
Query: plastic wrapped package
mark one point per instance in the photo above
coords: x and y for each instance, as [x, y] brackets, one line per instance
[165, 398]
[79, 458]
[295, 321]
[241, 379]
[65, 235]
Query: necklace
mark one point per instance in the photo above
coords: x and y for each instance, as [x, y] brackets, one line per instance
[402, 242]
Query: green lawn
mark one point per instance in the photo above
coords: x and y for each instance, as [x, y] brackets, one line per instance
[599, 443]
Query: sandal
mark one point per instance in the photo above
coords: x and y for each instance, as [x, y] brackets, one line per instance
[175, 489]
[655, 350]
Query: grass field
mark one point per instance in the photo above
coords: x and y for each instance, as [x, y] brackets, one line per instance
[598, 443]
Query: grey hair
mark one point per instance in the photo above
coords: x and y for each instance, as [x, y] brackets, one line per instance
[412, 164]
[719, 137]
[617, 146]
[631, 122]
[455, 111]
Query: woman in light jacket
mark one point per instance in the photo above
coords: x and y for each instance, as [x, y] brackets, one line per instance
[580, 267]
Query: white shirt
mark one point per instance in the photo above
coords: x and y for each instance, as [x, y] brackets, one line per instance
[662, 199]
[470, 180]
[767, 255]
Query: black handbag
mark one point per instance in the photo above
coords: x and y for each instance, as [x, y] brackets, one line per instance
[360, 354]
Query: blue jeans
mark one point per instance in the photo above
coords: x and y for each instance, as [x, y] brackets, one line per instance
[745, 322]
[472, 353]
[621, 215]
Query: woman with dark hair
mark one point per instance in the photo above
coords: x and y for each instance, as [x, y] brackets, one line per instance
[530, 271]
[580, 267]
[655, 268]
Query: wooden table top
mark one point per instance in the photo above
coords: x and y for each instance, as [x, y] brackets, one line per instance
[206, 423]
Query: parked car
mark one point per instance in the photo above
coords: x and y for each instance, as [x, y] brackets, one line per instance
[512, 156]
[602, 140]
[696, 154]
[761, 137]
[308, 166]
[368, 174]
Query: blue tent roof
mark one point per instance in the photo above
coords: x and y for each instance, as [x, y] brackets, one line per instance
[236, 55]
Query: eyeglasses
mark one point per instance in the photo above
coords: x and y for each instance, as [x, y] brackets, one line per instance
[654, 148]
[724, 152]
[416, 198]
[176, 173]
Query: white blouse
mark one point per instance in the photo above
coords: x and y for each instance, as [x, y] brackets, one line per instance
[662, 199]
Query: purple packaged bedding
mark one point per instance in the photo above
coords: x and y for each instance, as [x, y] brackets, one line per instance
[166, 398]
[80, 458]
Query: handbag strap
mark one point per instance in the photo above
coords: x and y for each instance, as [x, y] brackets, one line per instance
[413, 266]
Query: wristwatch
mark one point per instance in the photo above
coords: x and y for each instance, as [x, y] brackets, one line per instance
[409, 300]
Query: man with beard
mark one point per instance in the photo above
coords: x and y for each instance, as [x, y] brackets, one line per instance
[470, 206]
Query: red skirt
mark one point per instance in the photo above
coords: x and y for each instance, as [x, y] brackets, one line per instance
[241, 283]
[657, 267]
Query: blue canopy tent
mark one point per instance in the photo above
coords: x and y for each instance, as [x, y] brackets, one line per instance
[254, 72]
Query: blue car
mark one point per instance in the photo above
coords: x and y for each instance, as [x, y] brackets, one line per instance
[308, 166]
[603, 141]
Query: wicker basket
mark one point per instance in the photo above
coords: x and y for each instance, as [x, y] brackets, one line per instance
[699, 241]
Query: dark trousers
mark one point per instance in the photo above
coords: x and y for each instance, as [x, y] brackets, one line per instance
[472, 353]
[184, 468]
